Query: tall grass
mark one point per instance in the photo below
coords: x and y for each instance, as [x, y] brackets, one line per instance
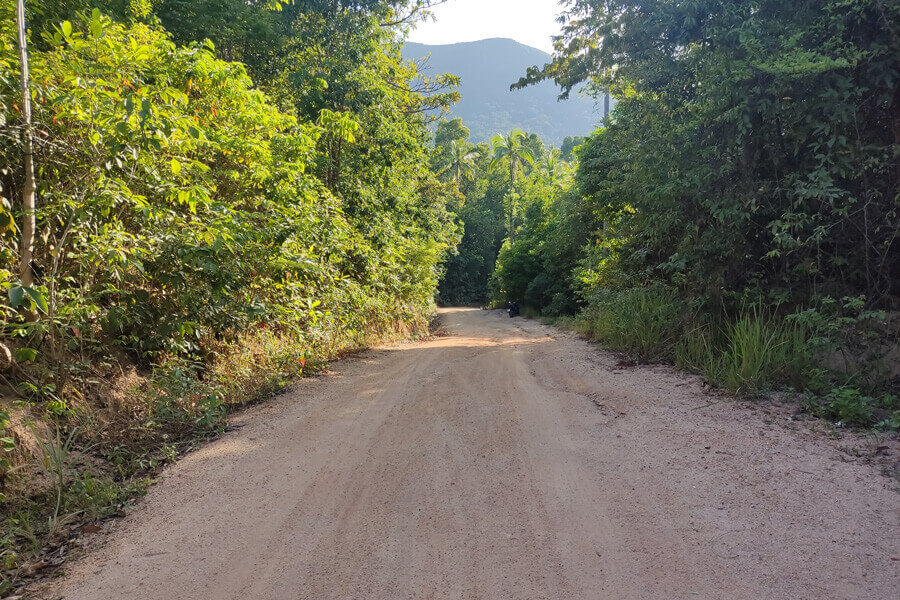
[644, 324]
[746, 353]
[754, 351]
[761, 350]
[55, 463]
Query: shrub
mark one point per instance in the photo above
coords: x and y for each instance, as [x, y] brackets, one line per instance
[189, 254]
[849, 406]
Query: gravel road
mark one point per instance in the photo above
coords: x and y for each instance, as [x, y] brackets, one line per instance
[505, 460]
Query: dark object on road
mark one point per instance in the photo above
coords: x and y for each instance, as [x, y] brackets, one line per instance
[513, 309]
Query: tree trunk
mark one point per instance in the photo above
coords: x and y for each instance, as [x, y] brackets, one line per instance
[28, 204]
[895, 122]
[512, 191]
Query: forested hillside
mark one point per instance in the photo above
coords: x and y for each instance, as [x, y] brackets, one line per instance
[738, 214]
[486, 69]
[227, 194]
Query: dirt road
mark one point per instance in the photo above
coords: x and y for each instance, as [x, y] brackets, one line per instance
[506, 460]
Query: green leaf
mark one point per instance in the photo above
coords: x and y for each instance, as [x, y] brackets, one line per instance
[175, 165]
[16, 295]
[66, 28]
[38, 298]
[25, 354]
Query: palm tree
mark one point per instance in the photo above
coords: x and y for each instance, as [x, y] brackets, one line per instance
[511, 149]
[553, 165]
[461, 161]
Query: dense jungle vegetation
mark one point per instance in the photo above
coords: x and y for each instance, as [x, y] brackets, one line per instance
[228, 194]
[737, 214]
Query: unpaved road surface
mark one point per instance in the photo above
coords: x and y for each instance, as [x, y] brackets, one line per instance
[505, 460]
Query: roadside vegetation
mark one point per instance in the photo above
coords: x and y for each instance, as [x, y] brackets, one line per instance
[737, 214]
[227, 195]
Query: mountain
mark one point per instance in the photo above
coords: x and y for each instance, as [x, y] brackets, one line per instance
[486, 69]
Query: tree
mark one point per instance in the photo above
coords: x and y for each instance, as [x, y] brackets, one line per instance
[450, 131]
[760, 135]
[511, 149]
[568, 146]
[553, 165]
[462, 161]
[26, 248]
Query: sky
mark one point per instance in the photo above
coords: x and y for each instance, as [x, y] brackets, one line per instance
[530, 22]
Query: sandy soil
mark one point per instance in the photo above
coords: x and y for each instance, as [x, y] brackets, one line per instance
[506, 460]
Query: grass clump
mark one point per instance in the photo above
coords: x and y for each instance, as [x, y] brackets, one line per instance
[752, 352]
[644, 324]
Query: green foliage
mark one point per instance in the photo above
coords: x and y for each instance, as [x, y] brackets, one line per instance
[448, 132]
[849, 406]
[512, 151]
[750, 161]
[479, 211]
[162, 153]
[748, 353]
[55, 462]
[179, 206]
[465, 280]
[856, 339]
[7, 446]
[752, 142]
[180, 402]
[208, 229]
[569, 145]
[645, 324]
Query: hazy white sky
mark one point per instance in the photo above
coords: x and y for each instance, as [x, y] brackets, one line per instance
[530, 22]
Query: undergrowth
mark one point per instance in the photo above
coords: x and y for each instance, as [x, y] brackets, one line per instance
[835, 354]
[91, 462]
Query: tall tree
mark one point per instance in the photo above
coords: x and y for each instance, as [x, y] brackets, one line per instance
[511, 149]
[26, 248]
[760, 135]
[553, 164]
[462, 161]
[449, 131]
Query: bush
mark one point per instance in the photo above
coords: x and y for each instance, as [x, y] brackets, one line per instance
[849, 406]
[197, 242]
